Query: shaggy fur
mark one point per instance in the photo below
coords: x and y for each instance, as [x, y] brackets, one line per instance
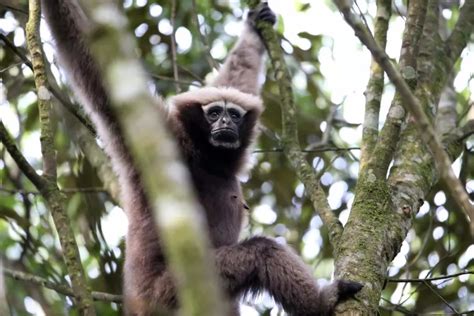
[246, 267]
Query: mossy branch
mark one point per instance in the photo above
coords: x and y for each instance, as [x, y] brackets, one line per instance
[412, 104]
[83, 133]
[461, 34]
[388, 139]
[49, 189]
[175, 209]
[375, 87]
[289, 137]
[55, 202]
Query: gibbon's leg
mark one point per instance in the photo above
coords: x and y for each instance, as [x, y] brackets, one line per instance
[245, 61]
[260, 263]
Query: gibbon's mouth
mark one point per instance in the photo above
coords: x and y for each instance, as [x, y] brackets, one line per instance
[225, 137]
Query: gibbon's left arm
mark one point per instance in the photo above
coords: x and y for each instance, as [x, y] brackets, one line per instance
[244, 63]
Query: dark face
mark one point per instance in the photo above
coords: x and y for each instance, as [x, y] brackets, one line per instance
[225, 120]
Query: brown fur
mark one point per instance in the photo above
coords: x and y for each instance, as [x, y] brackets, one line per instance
[250, 266]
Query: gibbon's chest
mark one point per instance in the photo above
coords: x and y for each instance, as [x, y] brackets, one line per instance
[223, 204]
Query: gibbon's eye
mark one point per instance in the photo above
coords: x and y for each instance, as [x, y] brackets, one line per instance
[214, 114]
[234, 115]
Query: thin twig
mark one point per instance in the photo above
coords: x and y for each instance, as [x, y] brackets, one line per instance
[72, 108]
[443, 277]
[59, 288]
[207, 49]
[316, 150]
[192, 74]
[64, 190]
[173, 46]
[441, 297]
[183, 82]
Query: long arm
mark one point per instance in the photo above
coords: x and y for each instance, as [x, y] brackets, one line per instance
[68, 23]
[244, 63]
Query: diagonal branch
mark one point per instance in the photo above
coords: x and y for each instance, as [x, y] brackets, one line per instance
[20, 160]
[461, 34]
[289, 138]
[412, 104]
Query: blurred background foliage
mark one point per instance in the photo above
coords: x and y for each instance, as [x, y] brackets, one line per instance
[438, 244]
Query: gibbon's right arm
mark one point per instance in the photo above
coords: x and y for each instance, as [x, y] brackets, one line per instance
[67, 22]
[244, 62]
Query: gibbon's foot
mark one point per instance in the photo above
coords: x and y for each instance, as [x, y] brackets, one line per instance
[348, 289]
[331, 295]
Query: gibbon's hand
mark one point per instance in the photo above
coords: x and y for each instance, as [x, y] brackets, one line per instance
[261, 13]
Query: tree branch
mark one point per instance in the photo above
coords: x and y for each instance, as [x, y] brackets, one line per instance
[72, 108]
[59, 288]
[443, 277]
[4, 310]
[424, 126]
[173, 46]
[290, 143]
[20, 160]
[389, 135]
[461, 34]
[50, 190]
[207, 49]
[93, 190]
[375, 86]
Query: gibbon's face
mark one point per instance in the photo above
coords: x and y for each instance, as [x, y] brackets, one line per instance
[225, 120]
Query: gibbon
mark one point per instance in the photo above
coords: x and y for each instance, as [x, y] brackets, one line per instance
[214, 126]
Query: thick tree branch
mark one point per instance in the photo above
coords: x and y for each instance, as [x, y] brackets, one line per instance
[446, 116]
[50, 190]
[389, 135]
[289, 138]
[374, 91]
[461, 34]
[167, 183]
[411, 103]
